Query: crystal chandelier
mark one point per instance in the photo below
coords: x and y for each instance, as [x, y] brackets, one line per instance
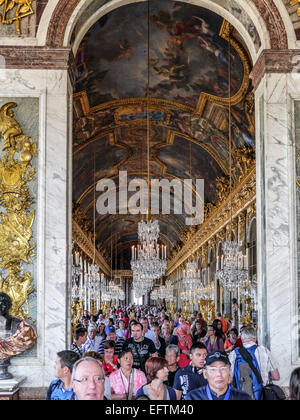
[148, 259]
[191, 277]
[233, 272]
[154, 295]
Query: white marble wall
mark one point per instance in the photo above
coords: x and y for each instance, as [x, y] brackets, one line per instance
[276, 253]
[51, 86]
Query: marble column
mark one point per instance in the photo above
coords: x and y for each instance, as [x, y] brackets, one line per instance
[276, 227]
[54, 91]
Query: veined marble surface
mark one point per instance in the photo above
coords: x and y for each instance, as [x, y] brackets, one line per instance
[277, 177]
[51, 87]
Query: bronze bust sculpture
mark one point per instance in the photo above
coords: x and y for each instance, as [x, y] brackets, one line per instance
[16, 336]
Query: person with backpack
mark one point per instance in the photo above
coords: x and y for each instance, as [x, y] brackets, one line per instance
[217, 373]
[61, 388]
[252, 366]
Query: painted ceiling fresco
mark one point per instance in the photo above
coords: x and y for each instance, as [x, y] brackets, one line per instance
[188, 108]
[187, 55]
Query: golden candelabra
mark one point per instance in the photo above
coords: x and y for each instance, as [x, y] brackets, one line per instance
[246, 319]
[77, 311]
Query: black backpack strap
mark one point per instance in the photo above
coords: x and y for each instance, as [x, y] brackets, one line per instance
[247, 357]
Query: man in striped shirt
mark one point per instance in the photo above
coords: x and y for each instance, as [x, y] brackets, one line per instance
[112, 336]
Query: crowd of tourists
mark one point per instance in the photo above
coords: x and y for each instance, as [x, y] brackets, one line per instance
[141, 353]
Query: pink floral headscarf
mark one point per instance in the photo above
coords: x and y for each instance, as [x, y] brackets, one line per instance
[182, 333]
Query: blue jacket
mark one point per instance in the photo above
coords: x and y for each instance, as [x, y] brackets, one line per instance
[56, 392]
[200, 394]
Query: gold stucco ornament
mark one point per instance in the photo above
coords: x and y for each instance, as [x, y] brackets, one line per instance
[14, 11]
[16, 216]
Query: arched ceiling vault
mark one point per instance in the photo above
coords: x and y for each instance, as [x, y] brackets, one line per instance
[190, 95]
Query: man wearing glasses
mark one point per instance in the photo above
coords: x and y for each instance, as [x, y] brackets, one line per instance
[217, 372]
[88, 380]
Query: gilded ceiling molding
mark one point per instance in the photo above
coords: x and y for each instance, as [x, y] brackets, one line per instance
[131, 173]
[103, 222]
[242, 196]
[170, 141]
[87, 246]
[153, 102]
[225, 31]
[102, 135]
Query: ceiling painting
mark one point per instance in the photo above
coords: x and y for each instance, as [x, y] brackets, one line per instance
[188, 109]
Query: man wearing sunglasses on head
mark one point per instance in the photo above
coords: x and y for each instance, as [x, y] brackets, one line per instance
[217, 372]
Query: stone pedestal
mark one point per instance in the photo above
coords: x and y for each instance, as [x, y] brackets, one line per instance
[9, 388]
[4, 365]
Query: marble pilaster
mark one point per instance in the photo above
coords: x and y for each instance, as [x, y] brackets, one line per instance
[53, 215]
[276, 221]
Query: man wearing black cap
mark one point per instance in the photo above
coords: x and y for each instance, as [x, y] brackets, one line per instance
[217, 372]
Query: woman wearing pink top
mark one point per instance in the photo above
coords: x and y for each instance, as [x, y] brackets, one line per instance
[126, 381]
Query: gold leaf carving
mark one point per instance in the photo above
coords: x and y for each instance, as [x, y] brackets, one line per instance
[16, 218]
[14, 11]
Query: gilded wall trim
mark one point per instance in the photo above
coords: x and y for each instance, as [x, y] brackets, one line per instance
[17, 246]
[243, 195]
[225, 31]
[87, 247]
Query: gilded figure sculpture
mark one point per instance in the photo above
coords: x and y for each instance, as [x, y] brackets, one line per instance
[23, 9]
[245, 159]
[16, 216]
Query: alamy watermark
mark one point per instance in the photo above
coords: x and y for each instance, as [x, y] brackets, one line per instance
[187, 197]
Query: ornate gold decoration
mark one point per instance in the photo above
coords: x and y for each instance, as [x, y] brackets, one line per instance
[242, 196]
[245, 158]
[246, 319]
[86, 243]
[242, 222]
[77, 311]
[16, 244]
[225, 31]
[223, 189]
[23, 9]
[249, 107]
[293, 3]
[297, 180]
[153, 102]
